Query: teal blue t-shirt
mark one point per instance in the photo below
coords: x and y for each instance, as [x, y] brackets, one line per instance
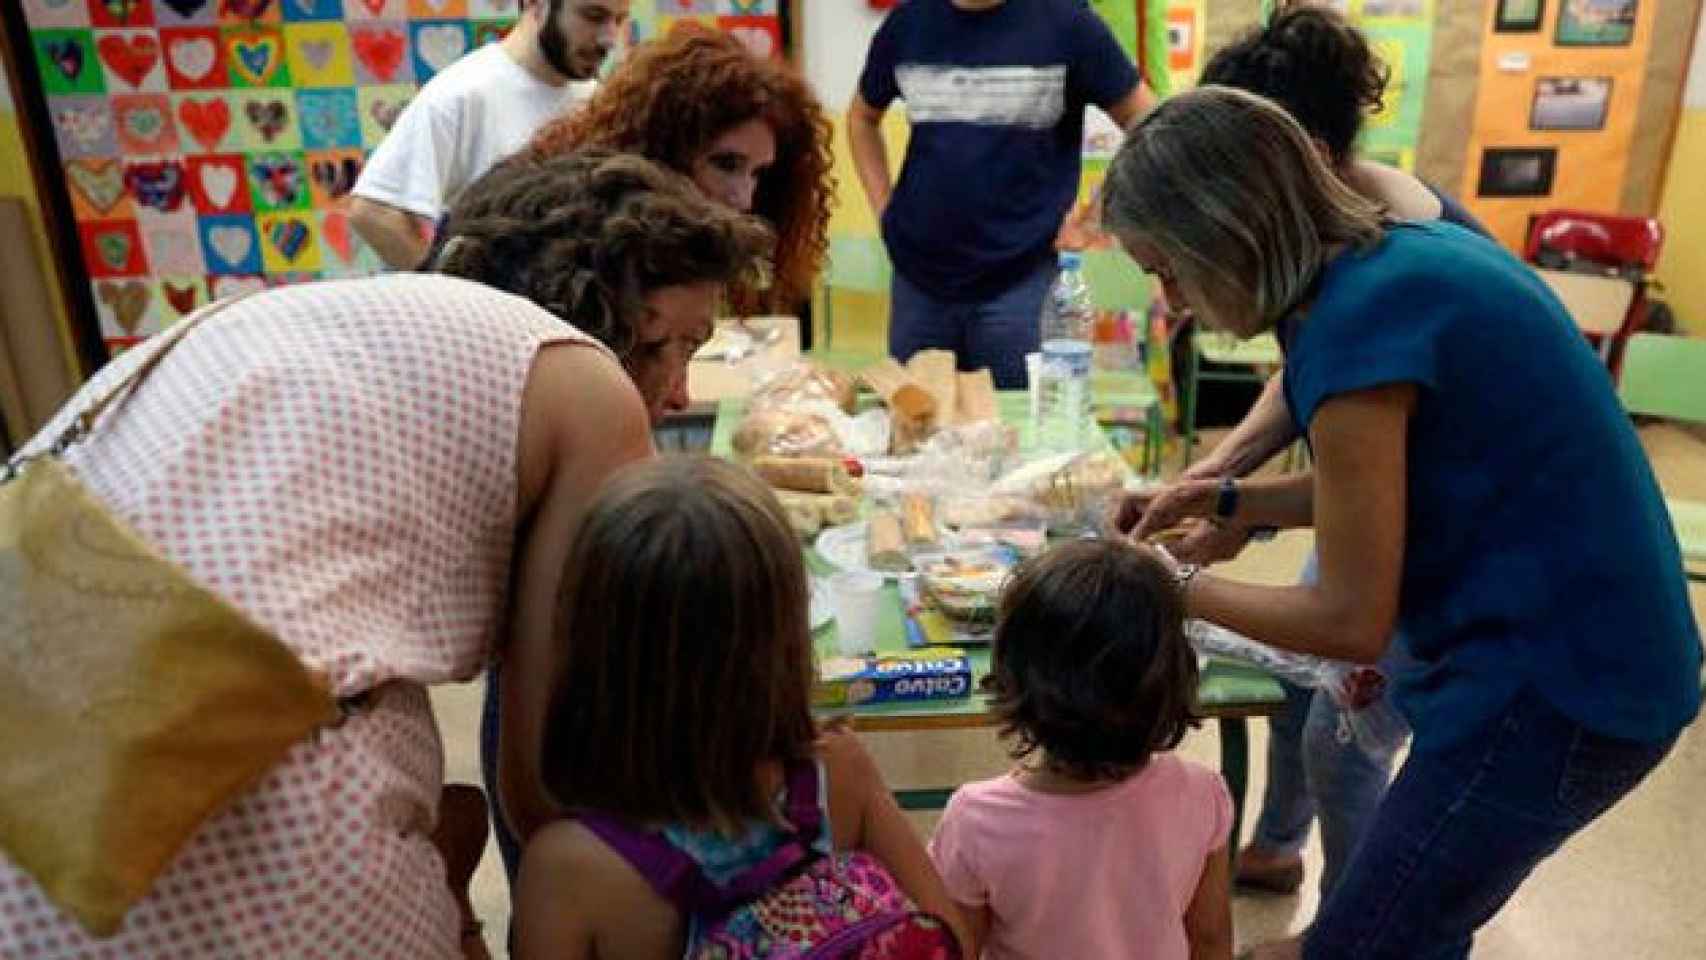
[1538, 552]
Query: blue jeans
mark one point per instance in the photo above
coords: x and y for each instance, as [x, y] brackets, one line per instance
[1311, 774]
[508, 846]
[994, 333]
[1463, 826]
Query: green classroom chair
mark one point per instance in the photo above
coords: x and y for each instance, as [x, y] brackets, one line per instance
[1663, 376]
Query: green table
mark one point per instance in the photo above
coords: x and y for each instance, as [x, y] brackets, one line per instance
[1230, 692]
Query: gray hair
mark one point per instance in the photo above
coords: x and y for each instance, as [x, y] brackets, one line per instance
[1229, 190]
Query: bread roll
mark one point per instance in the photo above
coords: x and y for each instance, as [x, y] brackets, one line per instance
[784, 433]
[918, 520]
[806, 474]
[885, 546]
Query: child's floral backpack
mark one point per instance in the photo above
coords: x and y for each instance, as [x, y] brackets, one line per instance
[797, 904]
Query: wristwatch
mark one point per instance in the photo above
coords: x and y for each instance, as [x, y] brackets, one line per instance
[1226, 500]
[1226, 504]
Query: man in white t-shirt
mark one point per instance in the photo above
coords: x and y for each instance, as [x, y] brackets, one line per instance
[473, 113]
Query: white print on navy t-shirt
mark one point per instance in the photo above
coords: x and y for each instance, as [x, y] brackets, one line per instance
[1032, 97]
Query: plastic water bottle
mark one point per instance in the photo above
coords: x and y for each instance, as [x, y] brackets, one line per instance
[1063, 382]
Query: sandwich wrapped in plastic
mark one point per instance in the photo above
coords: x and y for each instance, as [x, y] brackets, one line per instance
[804, 381]
[1069, 491]
[780, 432]
[1366, 714]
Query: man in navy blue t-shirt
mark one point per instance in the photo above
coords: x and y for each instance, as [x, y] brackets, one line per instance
[995, 92]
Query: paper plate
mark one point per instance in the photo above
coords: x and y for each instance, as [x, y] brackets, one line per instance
[843, 548]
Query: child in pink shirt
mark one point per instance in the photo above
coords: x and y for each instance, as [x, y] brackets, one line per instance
[1099, 844]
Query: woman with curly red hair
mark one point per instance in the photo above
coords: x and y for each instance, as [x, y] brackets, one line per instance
[748, 130]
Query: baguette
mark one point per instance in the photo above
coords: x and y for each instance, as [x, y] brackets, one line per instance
[885, 545]
[806, 474]
[918, 520]
[935, 371]
[977, 397]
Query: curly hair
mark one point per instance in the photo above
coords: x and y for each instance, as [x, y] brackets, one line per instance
[672, 97]
[1090, 662]
[1314, 64]
[587, 235]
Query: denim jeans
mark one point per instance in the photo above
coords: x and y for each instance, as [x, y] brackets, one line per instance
[1464, 825]
[508, 846]
[994, 333]
[1313, 772]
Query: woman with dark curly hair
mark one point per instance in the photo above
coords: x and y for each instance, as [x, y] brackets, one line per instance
[386, 475]
[748, 131]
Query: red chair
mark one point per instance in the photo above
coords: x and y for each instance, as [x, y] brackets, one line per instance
[1578, 241]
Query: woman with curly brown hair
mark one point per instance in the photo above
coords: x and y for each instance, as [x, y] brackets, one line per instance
[748, 131]
[386, 475]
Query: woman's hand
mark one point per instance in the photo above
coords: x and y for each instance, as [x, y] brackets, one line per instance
[1206, 542]
[1148, 512]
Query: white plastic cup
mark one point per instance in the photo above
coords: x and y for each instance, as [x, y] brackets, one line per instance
[857, 598]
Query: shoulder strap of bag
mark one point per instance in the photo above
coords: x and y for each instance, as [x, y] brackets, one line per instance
[116, 396]
[678, 878]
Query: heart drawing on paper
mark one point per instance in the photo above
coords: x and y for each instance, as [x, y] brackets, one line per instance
[384, 113]
[257, 59]
[374, 7]
[380, 51]
[318, 53]
[193, 57]
[120, 10]
[159, 185]
[100, 182]
[143, 121]
[441, 44]
[288, 236]
[114, 249]
[128, 300]
[132, 58]
[233, 244]
[219, 182]
[67, 55]
[244, 9]
[330, 121]
[207, 120]
[84, 125]
[268, 118]
[756, 40]
[335, 228]
[183, 299]
[280, 179]
[336, 177]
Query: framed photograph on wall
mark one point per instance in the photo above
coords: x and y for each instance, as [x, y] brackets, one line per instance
[1517, 171]
[1570, 103]
[1519, 16]
[1596, 23]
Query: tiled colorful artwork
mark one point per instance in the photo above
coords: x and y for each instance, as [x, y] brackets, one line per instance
[209, 146]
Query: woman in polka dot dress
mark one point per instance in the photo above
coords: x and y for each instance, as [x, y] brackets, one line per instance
[368, 468]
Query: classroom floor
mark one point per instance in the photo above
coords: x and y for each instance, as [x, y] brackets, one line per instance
[1625, 887]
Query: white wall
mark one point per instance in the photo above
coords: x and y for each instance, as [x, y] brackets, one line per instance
[1694, 97]
[836, 35]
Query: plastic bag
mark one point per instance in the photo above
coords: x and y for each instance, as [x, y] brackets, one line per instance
[778, 432]
[1073, 492]
[968, 457]
[803, 381]
[1366, 713]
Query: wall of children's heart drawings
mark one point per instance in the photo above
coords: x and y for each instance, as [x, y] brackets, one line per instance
[208, 146]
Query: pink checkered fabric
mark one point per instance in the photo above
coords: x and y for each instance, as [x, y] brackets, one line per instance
[338, 460]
